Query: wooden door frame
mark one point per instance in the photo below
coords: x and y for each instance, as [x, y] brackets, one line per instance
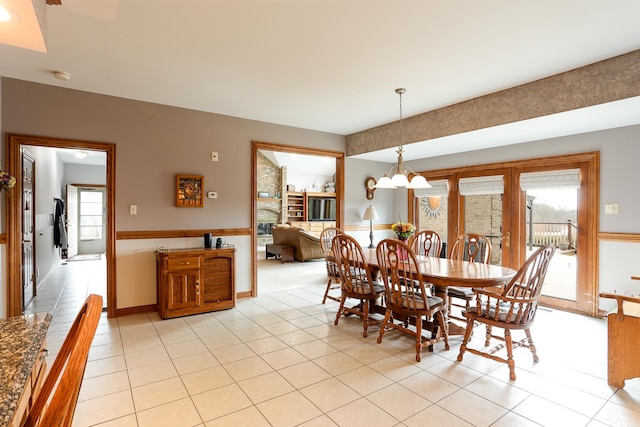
[26, 154]
[268, 146]
[14, 202]
[588, 216]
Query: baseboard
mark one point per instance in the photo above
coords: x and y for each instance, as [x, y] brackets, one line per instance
[141, 309]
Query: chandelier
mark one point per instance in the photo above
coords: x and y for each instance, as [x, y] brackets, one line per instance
[401, 176]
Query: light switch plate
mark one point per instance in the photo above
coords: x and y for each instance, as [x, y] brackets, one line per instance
[611, 209]
[212, 195]
[133, 209]
[214, 156]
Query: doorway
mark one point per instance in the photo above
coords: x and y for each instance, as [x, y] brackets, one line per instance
[14, 219]
[337, 158]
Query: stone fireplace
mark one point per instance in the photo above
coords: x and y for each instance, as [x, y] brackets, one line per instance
[266, 218]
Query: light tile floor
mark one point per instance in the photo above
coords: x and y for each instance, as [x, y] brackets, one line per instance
[278, 360]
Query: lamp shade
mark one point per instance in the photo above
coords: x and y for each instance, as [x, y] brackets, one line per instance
[384, 182]
[419, 181]
[399, 180]
[370, 214]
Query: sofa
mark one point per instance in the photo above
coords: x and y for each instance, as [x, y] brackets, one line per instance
[305, 245]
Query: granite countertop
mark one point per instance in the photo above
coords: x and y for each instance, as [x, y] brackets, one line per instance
[21, 338]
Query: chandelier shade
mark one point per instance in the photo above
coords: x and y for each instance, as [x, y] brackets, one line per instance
[400, 178]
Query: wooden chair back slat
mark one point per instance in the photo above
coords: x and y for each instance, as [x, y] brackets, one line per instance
[471, 247]
[353, 269]
[426, 243]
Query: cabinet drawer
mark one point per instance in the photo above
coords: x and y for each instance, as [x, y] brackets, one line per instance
[183, 263]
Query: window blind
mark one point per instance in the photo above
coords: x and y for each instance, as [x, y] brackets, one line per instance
[559, 179]
[481, 185]
[438, 188]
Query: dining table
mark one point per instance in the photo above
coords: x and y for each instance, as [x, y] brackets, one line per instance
[444, 272]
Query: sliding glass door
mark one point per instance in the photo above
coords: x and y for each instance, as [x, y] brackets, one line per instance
[520, 206]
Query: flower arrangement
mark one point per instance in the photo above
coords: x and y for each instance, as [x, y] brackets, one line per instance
[403, 230]
[7, 181]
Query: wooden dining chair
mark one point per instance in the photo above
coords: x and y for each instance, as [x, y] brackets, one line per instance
[471, 247]
[356, 280]
[333, 275]
[56, 402]
[426, 243]
[514, 308]
[406, 296]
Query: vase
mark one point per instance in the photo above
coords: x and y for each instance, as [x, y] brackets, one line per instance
[402, 253]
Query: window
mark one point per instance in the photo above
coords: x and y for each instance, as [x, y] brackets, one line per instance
[91, 211]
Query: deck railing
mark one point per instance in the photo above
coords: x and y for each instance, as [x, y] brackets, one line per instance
[562, 234]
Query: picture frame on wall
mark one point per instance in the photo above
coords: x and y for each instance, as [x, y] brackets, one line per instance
[189, 191]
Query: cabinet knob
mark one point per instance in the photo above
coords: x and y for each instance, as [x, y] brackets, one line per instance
[185, 263]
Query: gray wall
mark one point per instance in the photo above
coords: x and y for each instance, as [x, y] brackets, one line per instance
[153, 143]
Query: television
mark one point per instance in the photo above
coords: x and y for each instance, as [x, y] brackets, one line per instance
[321, 209]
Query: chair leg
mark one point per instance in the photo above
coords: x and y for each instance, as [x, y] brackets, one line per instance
[487, 340]
[326, 292]
[445, 331]
[387, 316]
[531, 345]
[340, 310]
[465, 340]
[418, 337]
[510, 361]
[365, 319]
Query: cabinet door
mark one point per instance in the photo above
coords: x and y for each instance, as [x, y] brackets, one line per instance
[183, 289]
[218, 278]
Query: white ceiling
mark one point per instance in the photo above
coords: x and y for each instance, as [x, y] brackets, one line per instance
[330, 65]
[93, 158]
[299, 164]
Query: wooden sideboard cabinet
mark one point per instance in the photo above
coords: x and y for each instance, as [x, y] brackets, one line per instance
[192, 281]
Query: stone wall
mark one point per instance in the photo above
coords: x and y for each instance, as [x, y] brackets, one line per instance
[270, 179]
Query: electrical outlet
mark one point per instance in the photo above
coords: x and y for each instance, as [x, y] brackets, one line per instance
[212, 195]
[133, 209]
[214, 156]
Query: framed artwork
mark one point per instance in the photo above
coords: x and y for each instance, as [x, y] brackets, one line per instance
[189, 191]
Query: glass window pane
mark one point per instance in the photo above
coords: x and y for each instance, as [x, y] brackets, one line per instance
[483, 215]
[91, 209]
[432, 215]
[90, 233]
[90, 220]
[91, 197]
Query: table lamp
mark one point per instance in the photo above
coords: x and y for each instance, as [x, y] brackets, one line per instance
[369, 215]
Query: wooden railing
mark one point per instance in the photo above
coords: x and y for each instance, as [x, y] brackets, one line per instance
[562, 234]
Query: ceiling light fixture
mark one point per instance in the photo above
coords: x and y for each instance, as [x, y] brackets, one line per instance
[81, 154]
[61, 75]
[5, 16]
[401, 176]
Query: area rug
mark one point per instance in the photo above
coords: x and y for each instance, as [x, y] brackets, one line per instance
[89, 257]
